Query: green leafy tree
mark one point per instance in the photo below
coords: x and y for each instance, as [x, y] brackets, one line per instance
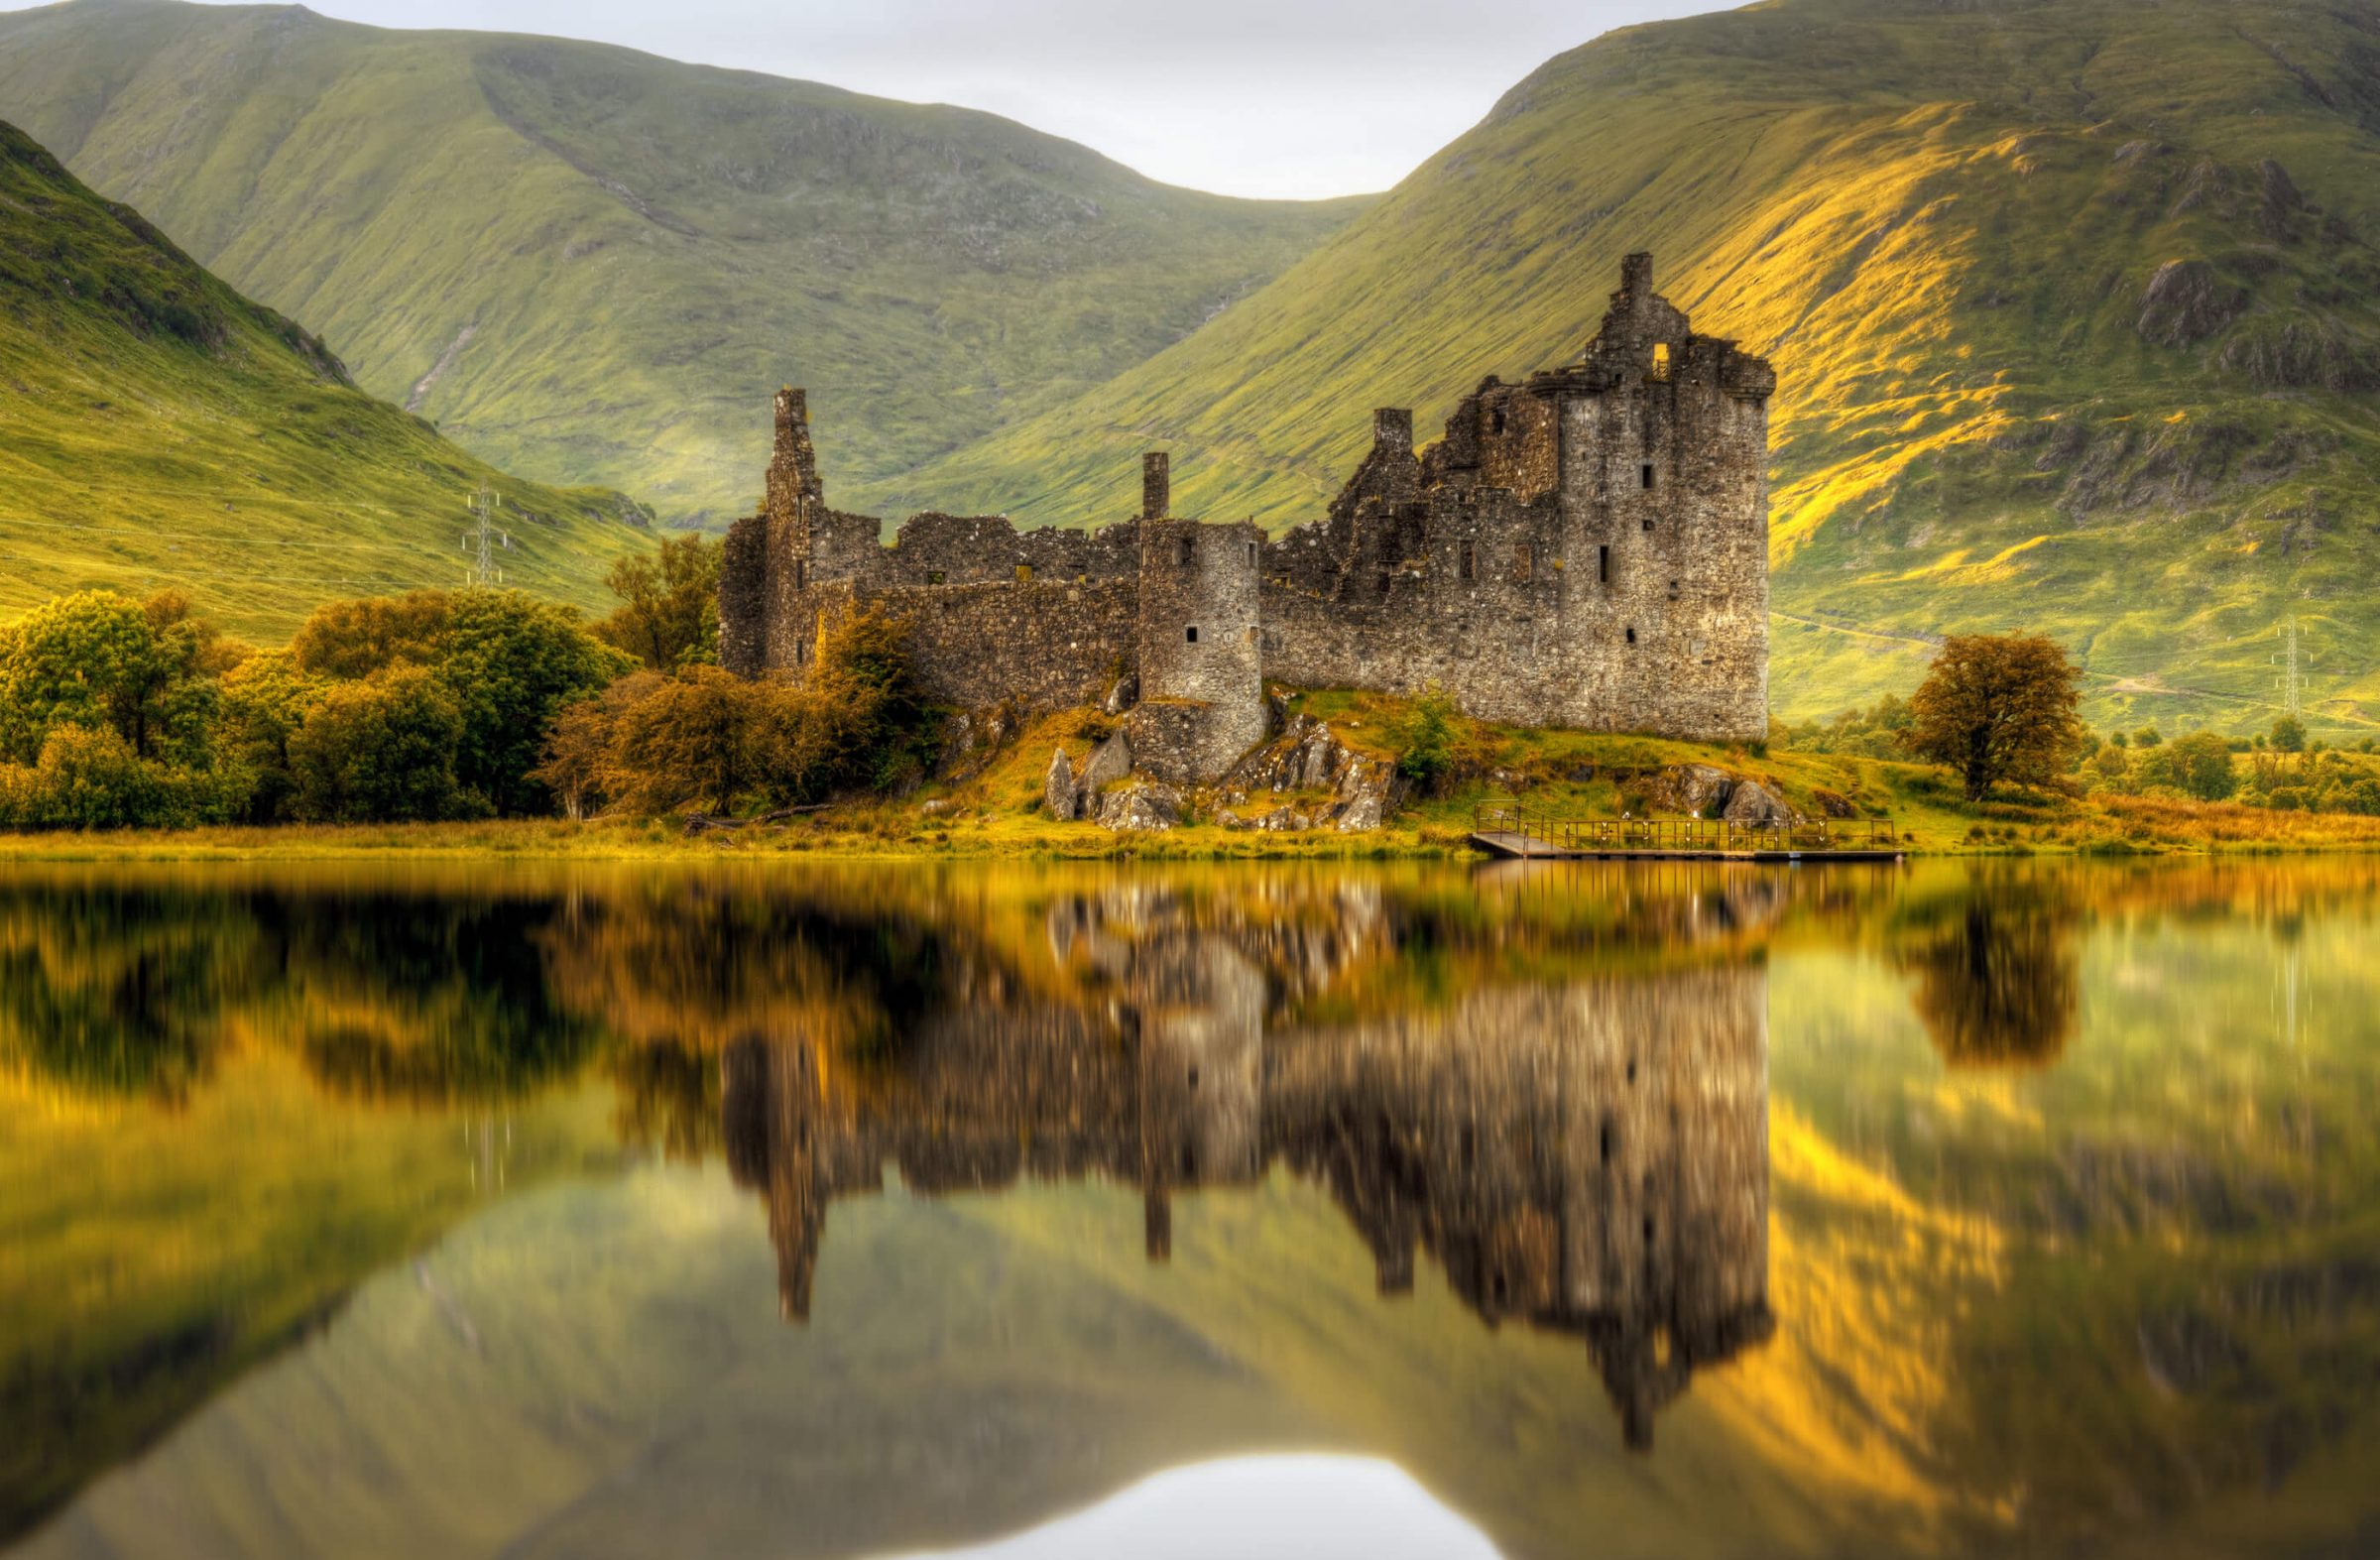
[265, 701]
[2147, 737]
[2289, 735]
[100, 661]
[669, 613]
[510, 662]
[1999, 709]
[2201, 765]
[379, 751]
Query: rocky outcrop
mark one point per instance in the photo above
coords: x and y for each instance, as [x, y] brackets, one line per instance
[2185, 302]
[1364, 789]
[1703, 790]
[1751, 802]
[1143, 806]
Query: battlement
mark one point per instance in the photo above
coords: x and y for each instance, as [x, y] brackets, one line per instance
[1587, 547]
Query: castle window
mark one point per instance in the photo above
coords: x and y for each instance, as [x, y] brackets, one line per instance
[1466, 561]
[1181, 552]
[1603, 564]
[1252, 555]
[1190, 635]
[934, 577]
[1024, 574]
[1524, 563]
[801, 574]
[1660, 360]
[1495, 420]
[1647, 474]
[1631, 636]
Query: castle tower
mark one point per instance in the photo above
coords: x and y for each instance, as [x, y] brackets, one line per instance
[1202, 686]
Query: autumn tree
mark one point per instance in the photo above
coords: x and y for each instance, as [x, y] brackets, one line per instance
[669, 613]
[1999, 709]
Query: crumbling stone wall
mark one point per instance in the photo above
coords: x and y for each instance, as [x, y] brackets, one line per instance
[1588, 547]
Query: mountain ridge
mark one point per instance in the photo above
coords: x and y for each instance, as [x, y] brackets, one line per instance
[639, 249]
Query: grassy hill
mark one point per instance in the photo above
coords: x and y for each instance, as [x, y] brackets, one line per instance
[2076, 307]
[157, 429]
[591, 265]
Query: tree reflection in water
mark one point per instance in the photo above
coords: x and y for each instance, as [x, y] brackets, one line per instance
[1999, 977]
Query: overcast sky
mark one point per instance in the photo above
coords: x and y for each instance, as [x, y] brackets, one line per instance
[1251, 97]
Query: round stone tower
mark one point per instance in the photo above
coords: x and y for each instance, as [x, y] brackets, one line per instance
[1201, 684]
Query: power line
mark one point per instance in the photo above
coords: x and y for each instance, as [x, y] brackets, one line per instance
[483, 541]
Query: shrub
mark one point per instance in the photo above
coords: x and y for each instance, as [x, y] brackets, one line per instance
[379, 751]
[1426, 742]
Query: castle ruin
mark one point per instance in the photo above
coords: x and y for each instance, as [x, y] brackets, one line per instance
[1588, 547]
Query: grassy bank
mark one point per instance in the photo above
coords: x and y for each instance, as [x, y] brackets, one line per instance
[998, 812]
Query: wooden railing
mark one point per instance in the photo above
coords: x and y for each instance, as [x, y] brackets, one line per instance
[1683, 834]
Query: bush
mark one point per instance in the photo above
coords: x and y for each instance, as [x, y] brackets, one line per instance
[1426, 742]
[380, 751]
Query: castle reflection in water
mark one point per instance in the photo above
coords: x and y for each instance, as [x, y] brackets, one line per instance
[1585, 1155]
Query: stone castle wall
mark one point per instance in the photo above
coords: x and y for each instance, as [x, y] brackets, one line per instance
[1587, 548]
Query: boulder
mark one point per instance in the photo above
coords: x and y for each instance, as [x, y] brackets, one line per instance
[1058, 790]
[1109, 762]
[1144, 806]
[1755, 803]
[1697, 789]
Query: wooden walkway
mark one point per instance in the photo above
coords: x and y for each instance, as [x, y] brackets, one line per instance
[1515, 846]
[1519, 833]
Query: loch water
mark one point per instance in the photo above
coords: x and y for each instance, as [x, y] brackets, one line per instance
[1070, 1210]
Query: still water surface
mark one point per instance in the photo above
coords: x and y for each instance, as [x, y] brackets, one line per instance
[1084, 1211]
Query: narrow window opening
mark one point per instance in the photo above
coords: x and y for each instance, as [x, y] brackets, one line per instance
[1647, 472]
[1467, 561]
[1607, 1143]
[1660, 360]
[1190, 635]
[1252, 555]
[1524, 563]
[1602, 565]
[1632, 640]
[1181, 548]
[934, 577]
[1194, 1077]
[1024, 574]
[1495, 420]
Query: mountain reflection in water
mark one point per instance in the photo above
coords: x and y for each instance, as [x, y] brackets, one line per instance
[1932, 1211]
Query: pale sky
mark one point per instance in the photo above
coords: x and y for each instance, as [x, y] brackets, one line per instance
[1251, 97]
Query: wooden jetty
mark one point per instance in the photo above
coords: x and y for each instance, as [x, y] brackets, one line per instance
[1519, 834]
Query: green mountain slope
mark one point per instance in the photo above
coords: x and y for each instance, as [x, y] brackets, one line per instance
[2075, 308]
[592, 265]
[157, 429]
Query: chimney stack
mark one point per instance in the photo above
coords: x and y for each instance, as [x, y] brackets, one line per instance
[1156, 485]
[1636, 275]
[1392, 428]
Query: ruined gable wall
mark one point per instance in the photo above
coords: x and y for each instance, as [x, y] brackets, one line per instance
[1048, 645]
[960, 550]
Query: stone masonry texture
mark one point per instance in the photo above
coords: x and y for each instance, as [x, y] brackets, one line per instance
[1587, 548]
